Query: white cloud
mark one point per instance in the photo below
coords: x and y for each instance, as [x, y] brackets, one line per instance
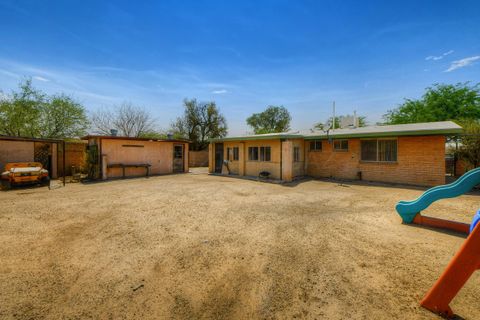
[219, 91]
[440, 57]
[457, 64]
[41, 79]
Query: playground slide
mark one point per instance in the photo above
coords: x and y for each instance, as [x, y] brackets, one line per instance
[409, 209]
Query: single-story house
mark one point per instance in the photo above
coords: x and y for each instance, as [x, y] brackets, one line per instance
[407, 153]
[116, 156]
[49, 152]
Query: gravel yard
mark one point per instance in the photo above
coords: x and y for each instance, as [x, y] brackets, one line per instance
[195, 246]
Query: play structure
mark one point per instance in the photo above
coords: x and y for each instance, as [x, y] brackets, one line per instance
[410, 211]
[467, 260]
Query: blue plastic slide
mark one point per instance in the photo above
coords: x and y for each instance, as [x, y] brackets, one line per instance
[409, 209]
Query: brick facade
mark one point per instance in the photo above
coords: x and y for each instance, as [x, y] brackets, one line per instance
[420, 161]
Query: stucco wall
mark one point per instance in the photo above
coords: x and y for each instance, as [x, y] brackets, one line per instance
[299, 166]
[420, 161]
[253, 168]
[198, 158]
[158, 154]
[15, 151]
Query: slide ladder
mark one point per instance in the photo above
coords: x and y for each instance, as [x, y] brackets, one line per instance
[408, 210]
[465, 262]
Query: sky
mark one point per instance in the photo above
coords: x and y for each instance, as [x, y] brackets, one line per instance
[245, 55]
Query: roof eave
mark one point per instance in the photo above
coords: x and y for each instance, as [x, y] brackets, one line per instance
[249, 138]
[389, 134]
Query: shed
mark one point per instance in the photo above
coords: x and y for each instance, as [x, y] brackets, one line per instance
[116, 157]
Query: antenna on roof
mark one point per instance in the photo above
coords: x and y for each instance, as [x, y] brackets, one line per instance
[333, 118]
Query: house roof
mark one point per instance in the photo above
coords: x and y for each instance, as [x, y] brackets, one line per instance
[133, 138]
[266, 136]
[28, 139]
[411, 129]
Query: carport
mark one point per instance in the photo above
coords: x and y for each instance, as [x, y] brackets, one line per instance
[49, 152]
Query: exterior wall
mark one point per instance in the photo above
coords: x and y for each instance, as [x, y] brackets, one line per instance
[15, 151]
[158, 154]
[75, 156]
[211, 158]
[253, 168]
[420, 161]
[245, 167]
[299, 166]
[198, 158]
[234, 166]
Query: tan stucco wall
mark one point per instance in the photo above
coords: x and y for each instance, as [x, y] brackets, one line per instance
[158, 154]
[15, 151]
[253, 168]
[299, 166]
[245, 167]
[420, 161]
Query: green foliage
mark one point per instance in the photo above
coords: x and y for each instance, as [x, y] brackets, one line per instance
[362, 122]
[30, 113]
[469, 150]
[153, 135]
[199, 123]
[273, 119]
[439, 103]
[63, 117]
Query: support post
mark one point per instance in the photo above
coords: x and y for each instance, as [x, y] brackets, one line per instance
[458, 271]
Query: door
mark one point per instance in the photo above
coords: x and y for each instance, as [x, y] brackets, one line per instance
[218, 157]
[178, 158]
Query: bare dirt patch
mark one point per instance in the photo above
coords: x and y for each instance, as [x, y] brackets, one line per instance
[201, 247]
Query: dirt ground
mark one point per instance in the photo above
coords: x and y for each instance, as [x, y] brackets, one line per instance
[194, 246]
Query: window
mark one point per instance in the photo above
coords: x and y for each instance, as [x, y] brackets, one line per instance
[259, 153]
[265, 153]
[253, 153]
[178, 152]
[382, 150]
[340, 145]
[296, 154]
[316, 145]
[232, 154]
[235, 153]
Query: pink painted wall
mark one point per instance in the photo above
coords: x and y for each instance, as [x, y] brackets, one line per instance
[159, 154]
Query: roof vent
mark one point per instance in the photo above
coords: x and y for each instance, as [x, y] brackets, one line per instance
[113, 132]
[169, 136]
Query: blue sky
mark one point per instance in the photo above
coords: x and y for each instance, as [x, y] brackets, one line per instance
[245, 55]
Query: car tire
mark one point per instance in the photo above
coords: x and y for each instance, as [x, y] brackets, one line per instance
[6, 185]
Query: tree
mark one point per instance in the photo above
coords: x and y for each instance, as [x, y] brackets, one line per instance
[273, 119]
[200, 123]
[63, 117]
[127, 119]
[362, 122]
[439, 103]
[29, 112]
[469, 150]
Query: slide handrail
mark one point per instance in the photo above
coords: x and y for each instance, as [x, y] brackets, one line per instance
[409, 209]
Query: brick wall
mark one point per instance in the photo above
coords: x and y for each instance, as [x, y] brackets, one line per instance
[420, 161]
[198, 158]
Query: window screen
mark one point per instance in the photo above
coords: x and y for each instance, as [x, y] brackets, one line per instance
[316, 145]
[253, 153]
[340, 145]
